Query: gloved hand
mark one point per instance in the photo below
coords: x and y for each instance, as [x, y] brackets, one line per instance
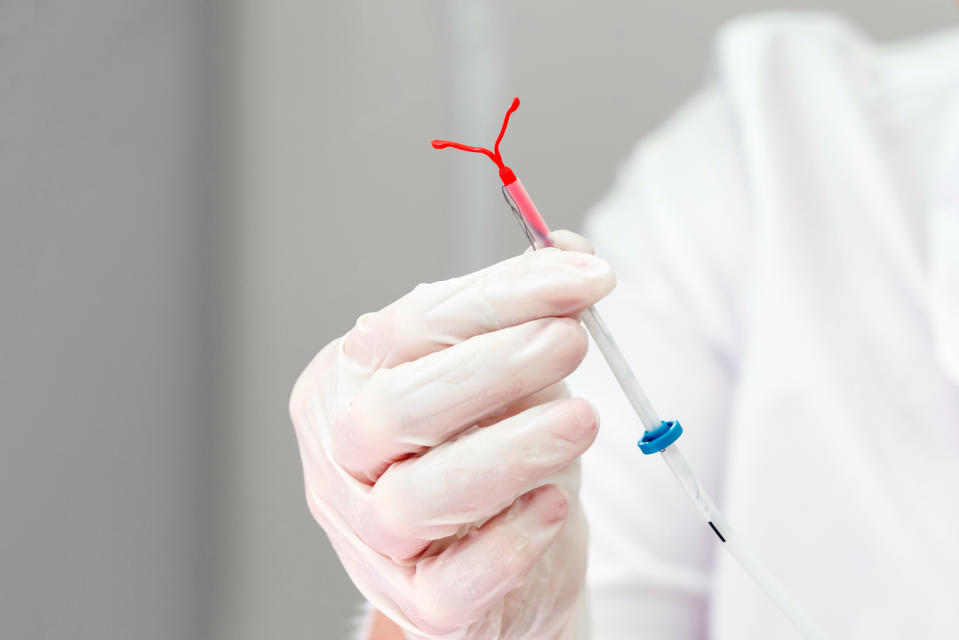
[440, 449]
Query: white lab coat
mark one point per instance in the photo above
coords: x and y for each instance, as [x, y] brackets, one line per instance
[787, 248]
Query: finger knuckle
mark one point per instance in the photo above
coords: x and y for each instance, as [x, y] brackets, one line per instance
[297, 401]
[391, 510]
[308, 383]
[485, 294]
[388, 336]
[313, 504]
[373, 412]
[361, 342]
[435, 612]
[351, 442]
[361, 430]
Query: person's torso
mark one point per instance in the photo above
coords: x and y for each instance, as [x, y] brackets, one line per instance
[843, 456]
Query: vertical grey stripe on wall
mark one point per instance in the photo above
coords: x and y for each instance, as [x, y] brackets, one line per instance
[479, 99]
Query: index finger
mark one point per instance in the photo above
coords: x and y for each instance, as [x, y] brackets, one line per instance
[434, 316]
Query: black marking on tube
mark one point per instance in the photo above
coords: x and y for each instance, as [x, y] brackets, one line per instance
[716, 531]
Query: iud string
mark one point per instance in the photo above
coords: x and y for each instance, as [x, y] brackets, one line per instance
[660, 436]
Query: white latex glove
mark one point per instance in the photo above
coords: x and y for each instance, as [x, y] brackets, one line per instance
[440, 450]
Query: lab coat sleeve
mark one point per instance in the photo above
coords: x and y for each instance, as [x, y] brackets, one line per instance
[676, 229]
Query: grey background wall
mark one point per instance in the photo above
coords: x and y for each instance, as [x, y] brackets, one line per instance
[196, 196]
[102, 383]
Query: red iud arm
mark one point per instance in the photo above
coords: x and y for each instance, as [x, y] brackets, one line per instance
[505, 173]
[533, 222]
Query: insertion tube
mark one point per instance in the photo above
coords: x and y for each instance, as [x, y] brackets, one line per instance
[659, 436]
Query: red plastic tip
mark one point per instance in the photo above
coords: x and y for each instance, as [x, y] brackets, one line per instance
[505, 173]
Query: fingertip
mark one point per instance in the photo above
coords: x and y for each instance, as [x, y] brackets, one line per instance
[595, 271]
[594, 409]
[572, 425]
[566, 339]
[570, 241]
[607, 282]
[596, 265]
[548, 504]
[586, 415]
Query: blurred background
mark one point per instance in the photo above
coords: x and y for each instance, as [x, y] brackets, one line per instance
[196, 196]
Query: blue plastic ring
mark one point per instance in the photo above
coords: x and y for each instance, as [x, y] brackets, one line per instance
[661, 437]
